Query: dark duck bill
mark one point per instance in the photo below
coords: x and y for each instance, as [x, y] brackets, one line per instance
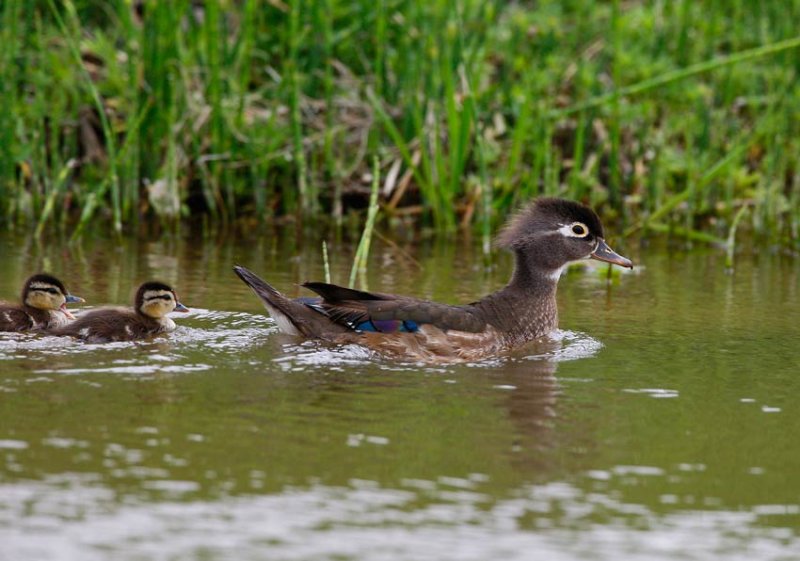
[604, 253]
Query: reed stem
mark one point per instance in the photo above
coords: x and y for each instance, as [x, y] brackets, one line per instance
[362, 253]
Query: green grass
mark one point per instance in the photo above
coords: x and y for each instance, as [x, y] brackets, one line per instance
[666, 116]
[361, 258]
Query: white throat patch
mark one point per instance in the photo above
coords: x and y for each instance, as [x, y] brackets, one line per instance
[556, 274]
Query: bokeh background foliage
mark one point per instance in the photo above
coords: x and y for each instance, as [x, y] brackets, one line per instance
[677, 116]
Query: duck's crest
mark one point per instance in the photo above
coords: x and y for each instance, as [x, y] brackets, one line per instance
[543, 214]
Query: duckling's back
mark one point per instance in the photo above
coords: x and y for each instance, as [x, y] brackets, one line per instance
[14, 317]
[111, 324]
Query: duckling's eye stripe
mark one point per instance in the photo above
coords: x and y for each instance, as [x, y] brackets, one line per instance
[44, 288]
[150, 296]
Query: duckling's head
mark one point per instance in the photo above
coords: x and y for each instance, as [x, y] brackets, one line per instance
[550, 232]
[45, 292]
[156, 299]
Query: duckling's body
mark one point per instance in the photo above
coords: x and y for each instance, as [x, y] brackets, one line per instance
[544, 238]
[154, 300]
[43, 306]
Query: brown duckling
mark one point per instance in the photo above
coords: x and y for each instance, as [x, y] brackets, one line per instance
[154, 300]
[44, 306]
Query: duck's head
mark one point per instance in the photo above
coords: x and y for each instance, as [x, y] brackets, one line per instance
[156, 299]
[551, 232]
[45, 292]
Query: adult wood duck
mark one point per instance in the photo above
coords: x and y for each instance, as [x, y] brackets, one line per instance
[154, 300]
[544, 237]
[44, 306]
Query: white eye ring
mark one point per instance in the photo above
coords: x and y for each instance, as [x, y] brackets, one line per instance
[574, 230]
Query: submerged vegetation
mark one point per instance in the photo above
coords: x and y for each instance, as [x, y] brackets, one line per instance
[668, 116]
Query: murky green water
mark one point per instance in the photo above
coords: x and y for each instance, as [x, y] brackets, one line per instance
[663, 424]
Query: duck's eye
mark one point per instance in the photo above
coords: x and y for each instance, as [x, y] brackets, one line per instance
[580, 230]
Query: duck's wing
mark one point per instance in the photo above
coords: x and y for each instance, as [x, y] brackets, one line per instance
[387, 313]
[340, 311]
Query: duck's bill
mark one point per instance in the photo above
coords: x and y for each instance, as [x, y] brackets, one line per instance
[65, 311]
[180, 308]
[604, 253]
[72, 299]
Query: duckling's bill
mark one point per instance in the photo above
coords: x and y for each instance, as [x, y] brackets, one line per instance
[63, 309]
[69, 299]
[180, 308]
[604, 253]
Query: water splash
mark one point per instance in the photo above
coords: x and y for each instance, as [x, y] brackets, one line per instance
[563, 345]
[204, 332]
[230, 334]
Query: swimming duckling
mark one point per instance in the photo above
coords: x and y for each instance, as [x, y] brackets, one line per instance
[154, 300]
[44, 306]
[544, 237]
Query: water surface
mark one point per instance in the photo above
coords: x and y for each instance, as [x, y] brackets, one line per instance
[661, 422]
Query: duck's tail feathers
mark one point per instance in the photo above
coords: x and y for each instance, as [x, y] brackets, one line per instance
[294, 317]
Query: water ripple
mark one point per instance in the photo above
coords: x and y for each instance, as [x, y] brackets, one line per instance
[215, 332]
[367, 521]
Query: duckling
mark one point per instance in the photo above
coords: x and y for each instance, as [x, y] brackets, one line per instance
[544, 237]
[153, 301]
[44, 306]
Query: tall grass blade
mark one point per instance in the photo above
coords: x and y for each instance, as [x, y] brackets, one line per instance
[730, 245]
[362, 253]
[325, 262]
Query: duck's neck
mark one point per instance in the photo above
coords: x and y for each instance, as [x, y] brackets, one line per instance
[163, 322]
[526, 308]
